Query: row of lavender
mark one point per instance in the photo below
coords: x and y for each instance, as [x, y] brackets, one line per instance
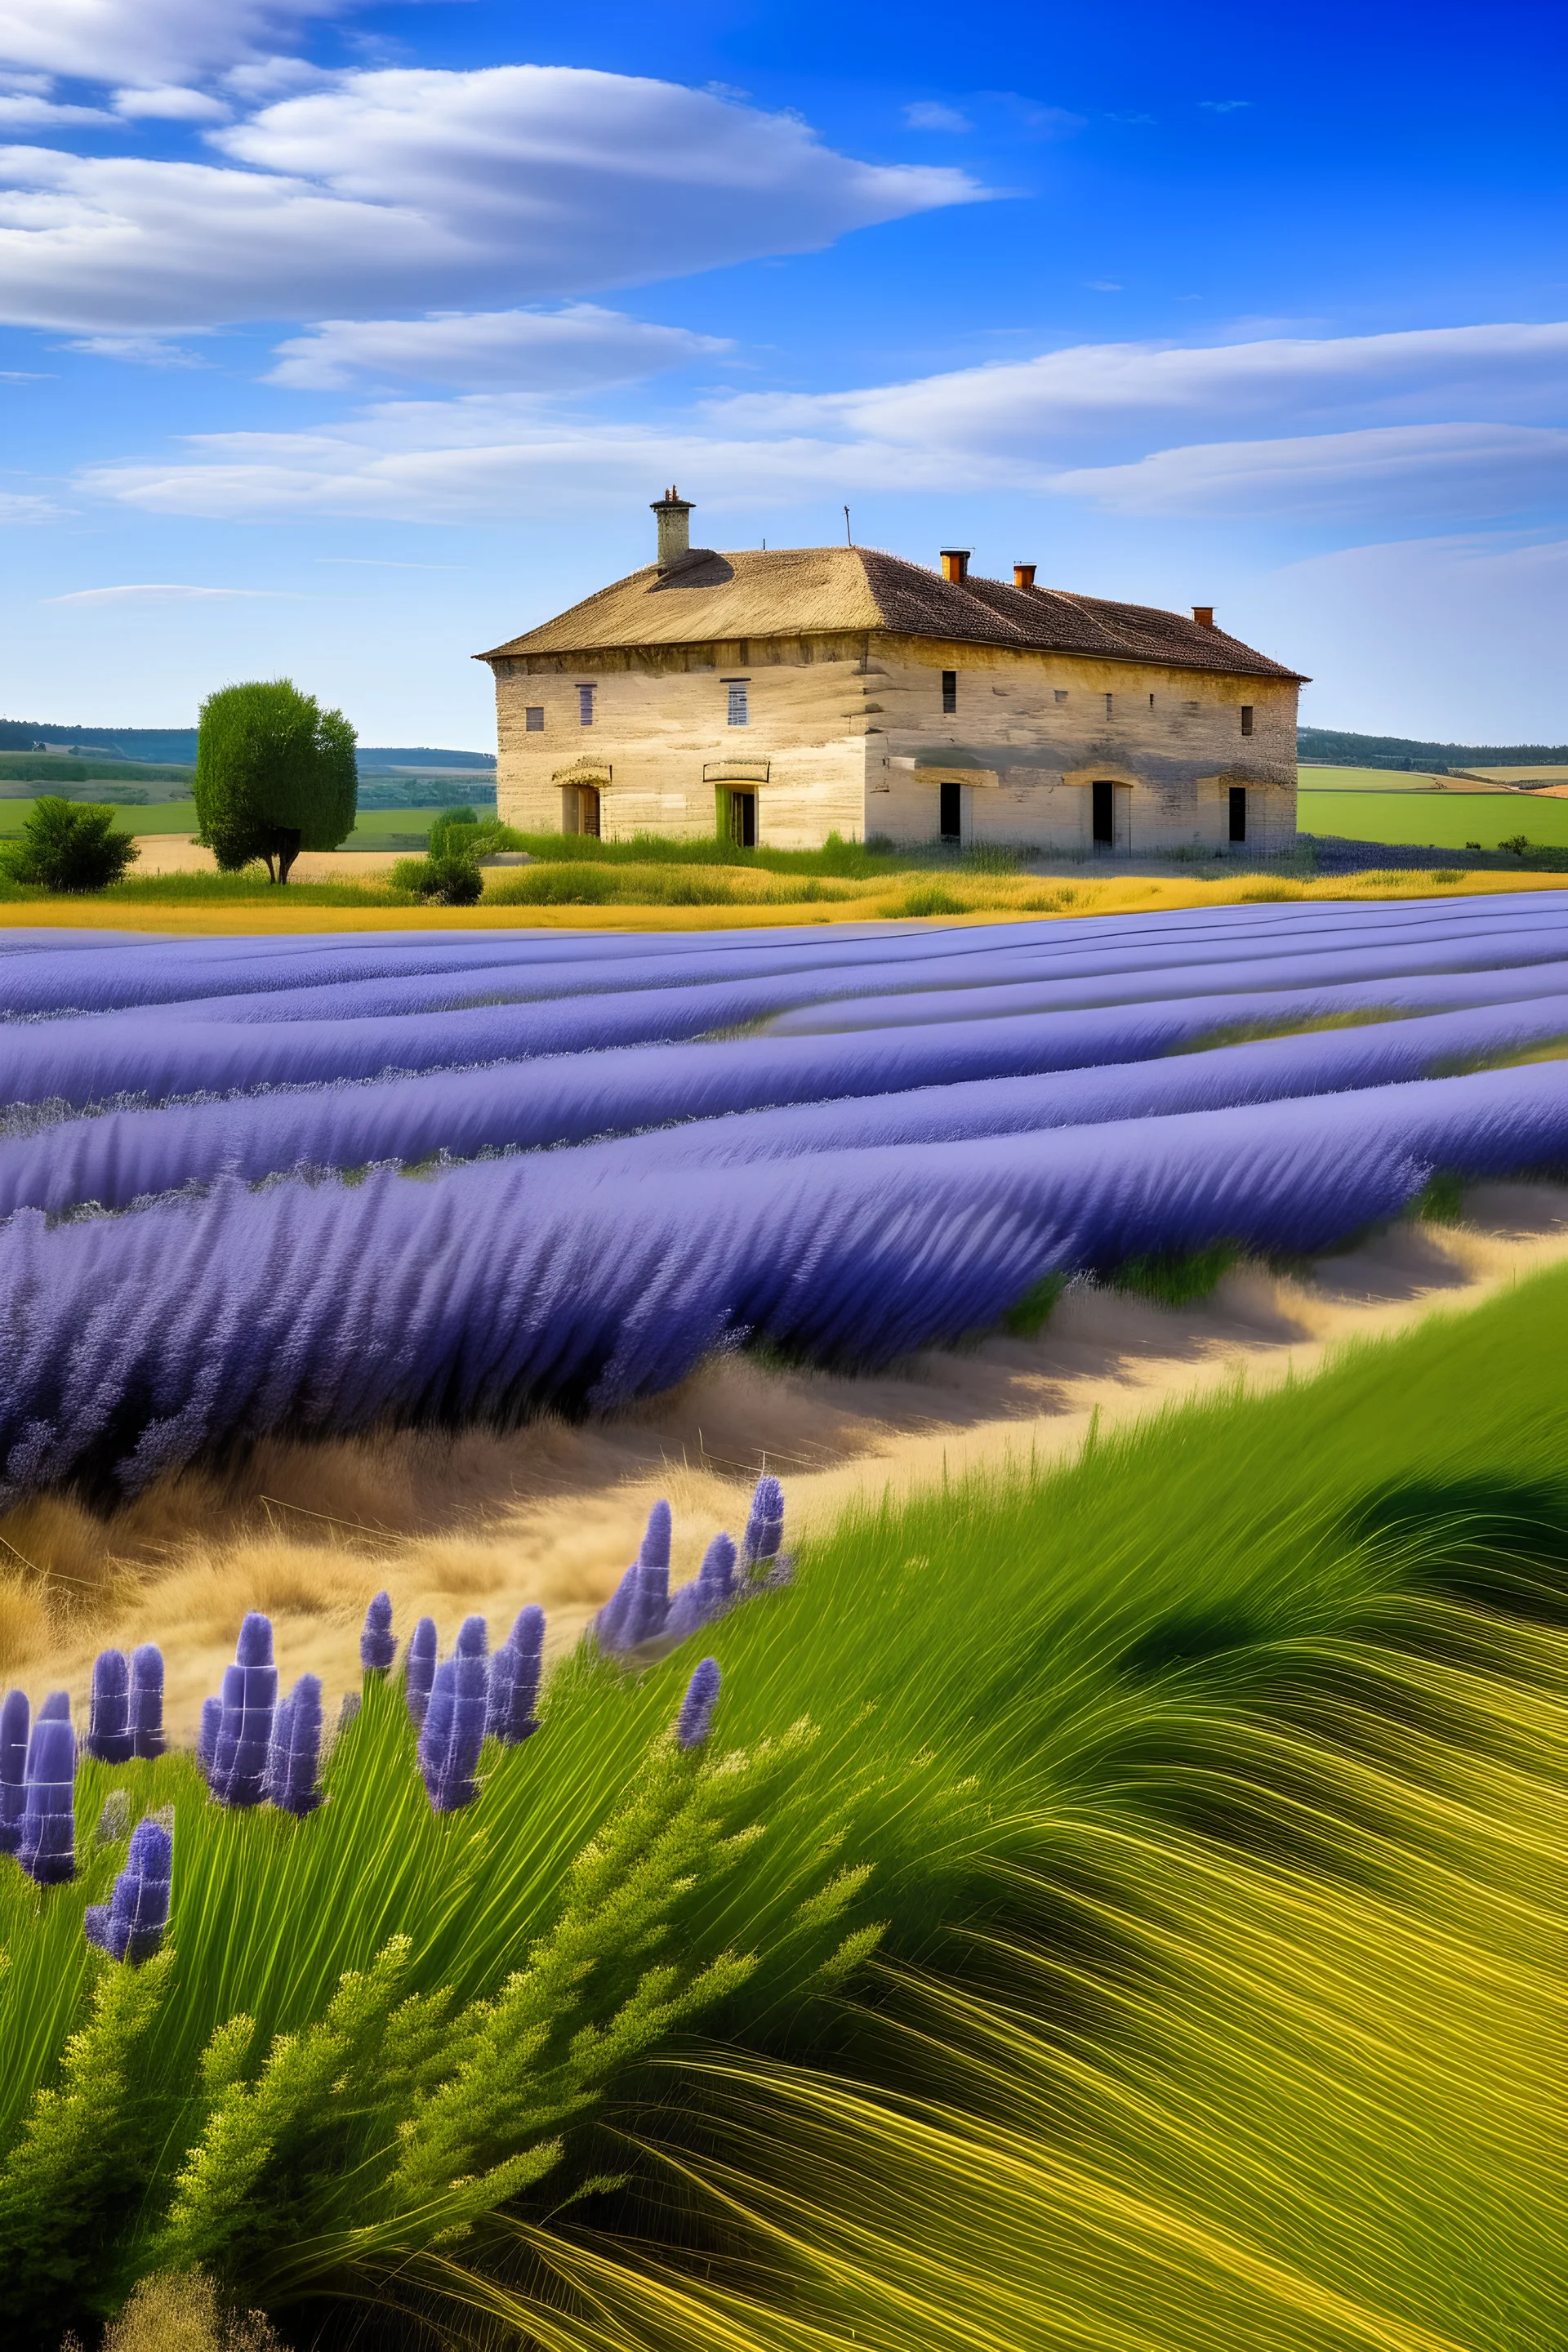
[255, 1749]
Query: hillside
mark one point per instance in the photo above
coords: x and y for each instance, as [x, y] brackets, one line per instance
[1345, 750]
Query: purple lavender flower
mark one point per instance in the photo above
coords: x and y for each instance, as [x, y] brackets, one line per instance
[708, 1595]
[46, 1848]
[296, 1749]
[764, 1527]
[109, 1714]
[147, 1701]
[514, 1680]
[695, 1721]
[419, 1670]
[129, 1925]
[56, 1708]
[454, 1728]
[15, 1716]
[238, 1775]
[377, 1642]
[638, 1608]
[207, 1738]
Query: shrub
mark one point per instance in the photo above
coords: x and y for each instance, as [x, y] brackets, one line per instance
[445, 881]
[70, 846]
[275, 774]
[1517, 843]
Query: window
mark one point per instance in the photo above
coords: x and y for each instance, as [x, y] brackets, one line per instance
[533, 719]
[1150, 702]
[586, 704]
[1239, 811]
[739, 714]
[1110, 706]
[949, 690]
[1247, 718]
[1061, 694]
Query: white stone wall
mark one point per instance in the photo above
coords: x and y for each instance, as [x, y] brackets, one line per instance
[854, 740]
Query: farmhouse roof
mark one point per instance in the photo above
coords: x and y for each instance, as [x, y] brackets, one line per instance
[707, 597]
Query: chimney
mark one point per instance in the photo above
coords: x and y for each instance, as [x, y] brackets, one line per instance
[1203, 615]
[1023, 575]
[674, 528]
[955, 562]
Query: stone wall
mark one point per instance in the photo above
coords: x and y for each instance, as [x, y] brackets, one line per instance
[849, 734]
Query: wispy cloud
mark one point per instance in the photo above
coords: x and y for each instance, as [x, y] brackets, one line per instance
[578, 348]
[168, 591]
[139, 350]
[930, 114]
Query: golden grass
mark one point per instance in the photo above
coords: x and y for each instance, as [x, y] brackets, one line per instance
[983, 899]
[182, 2313]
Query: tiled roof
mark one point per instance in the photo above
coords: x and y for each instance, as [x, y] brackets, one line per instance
[793, 591]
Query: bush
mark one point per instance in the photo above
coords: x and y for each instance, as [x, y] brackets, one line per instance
[70, 846]
[447, 881]
[275, 774]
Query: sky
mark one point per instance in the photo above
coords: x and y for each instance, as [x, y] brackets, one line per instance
[343, 341]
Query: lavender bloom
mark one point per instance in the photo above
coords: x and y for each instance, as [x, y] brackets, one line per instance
[46, 1848]
[710, 1592]
[207, 1738]
[637, 1609]
[419, 1670]
[764, 1527]
[695, 1721]
[147, 1702]
[378, 1643]
[15, 1716]
[450, 1742]
[296, 1749]
[514, 1680]
[129, 1925]
[109, 1714]
[238, 1775]
[56, 1708]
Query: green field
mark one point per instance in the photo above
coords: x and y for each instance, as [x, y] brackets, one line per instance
[1365, 780]
[1443, 820]
[377, 829]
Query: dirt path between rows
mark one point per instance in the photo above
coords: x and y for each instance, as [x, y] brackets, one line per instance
[551, 1513]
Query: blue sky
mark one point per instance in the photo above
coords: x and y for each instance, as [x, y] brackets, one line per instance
[345, 340]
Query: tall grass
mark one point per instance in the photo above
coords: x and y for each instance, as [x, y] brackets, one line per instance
[1206, 1791]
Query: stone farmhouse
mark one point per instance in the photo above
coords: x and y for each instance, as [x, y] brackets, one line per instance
[778, 696]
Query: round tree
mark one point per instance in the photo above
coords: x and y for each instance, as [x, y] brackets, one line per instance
[275, 774]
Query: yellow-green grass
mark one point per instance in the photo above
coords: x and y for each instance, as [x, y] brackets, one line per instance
[1444, 820]
[149, 816]
[1376, 780]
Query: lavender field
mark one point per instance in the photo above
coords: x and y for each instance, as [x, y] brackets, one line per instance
[309, 1185]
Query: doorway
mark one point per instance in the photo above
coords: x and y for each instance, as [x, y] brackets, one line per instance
[1239, 811]
[580, 809]
[742, 815]
[951, 823]
[1104, 815]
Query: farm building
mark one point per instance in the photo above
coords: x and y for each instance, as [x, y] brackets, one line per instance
[782, 695]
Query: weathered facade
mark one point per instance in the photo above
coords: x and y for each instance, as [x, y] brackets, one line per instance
[780, 696]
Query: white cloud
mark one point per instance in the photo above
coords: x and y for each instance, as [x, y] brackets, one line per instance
[1224, 105]
[165, 592]
[394, 190]
[170, 102]
[570, 350]
[1069, 403]
[1464, 472]
[17, 506]
[928, 114]
[146, 41]
[26, 109]
[140, 351]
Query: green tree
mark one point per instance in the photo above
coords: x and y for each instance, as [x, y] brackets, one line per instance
[275, 774]
[70, 846]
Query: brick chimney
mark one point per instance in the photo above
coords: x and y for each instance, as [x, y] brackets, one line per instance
[955, 563]
[1023, 575]
[674, 528]
[1203, 615]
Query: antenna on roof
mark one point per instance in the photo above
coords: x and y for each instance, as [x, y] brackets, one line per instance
[848, 534]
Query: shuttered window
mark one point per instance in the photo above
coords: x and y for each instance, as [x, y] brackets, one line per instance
[740, 716]
[533, 719]
[585, 706]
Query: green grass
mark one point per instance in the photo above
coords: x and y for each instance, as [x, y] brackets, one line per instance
[249, 888]
[151, 816]
[40, 767]
[1441, 820]
[1210, 1790]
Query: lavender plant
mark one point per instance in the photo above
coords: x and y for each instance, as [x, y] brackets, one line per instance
[108, 1734]
[514, 1680]
[238, 1772]
[453, 1731]
[294, 1754]
[15, 1719]
[45, 1845]
[146, 1708]
[377, 1642]
[695, 1721]
[419, 1671]
[129, 1925]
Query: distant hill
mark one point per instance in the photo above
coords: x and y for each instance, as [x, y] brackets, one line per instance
[177, 746]
[1342, 751]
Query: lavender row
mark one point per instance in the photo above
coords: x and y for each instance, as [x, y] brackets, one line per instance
[66, 1065]
[757, 1097]
[105, 974]
[131, 1344]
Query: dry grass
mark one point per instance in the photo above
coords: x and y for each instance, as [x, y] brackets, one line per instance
[170, 2313]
